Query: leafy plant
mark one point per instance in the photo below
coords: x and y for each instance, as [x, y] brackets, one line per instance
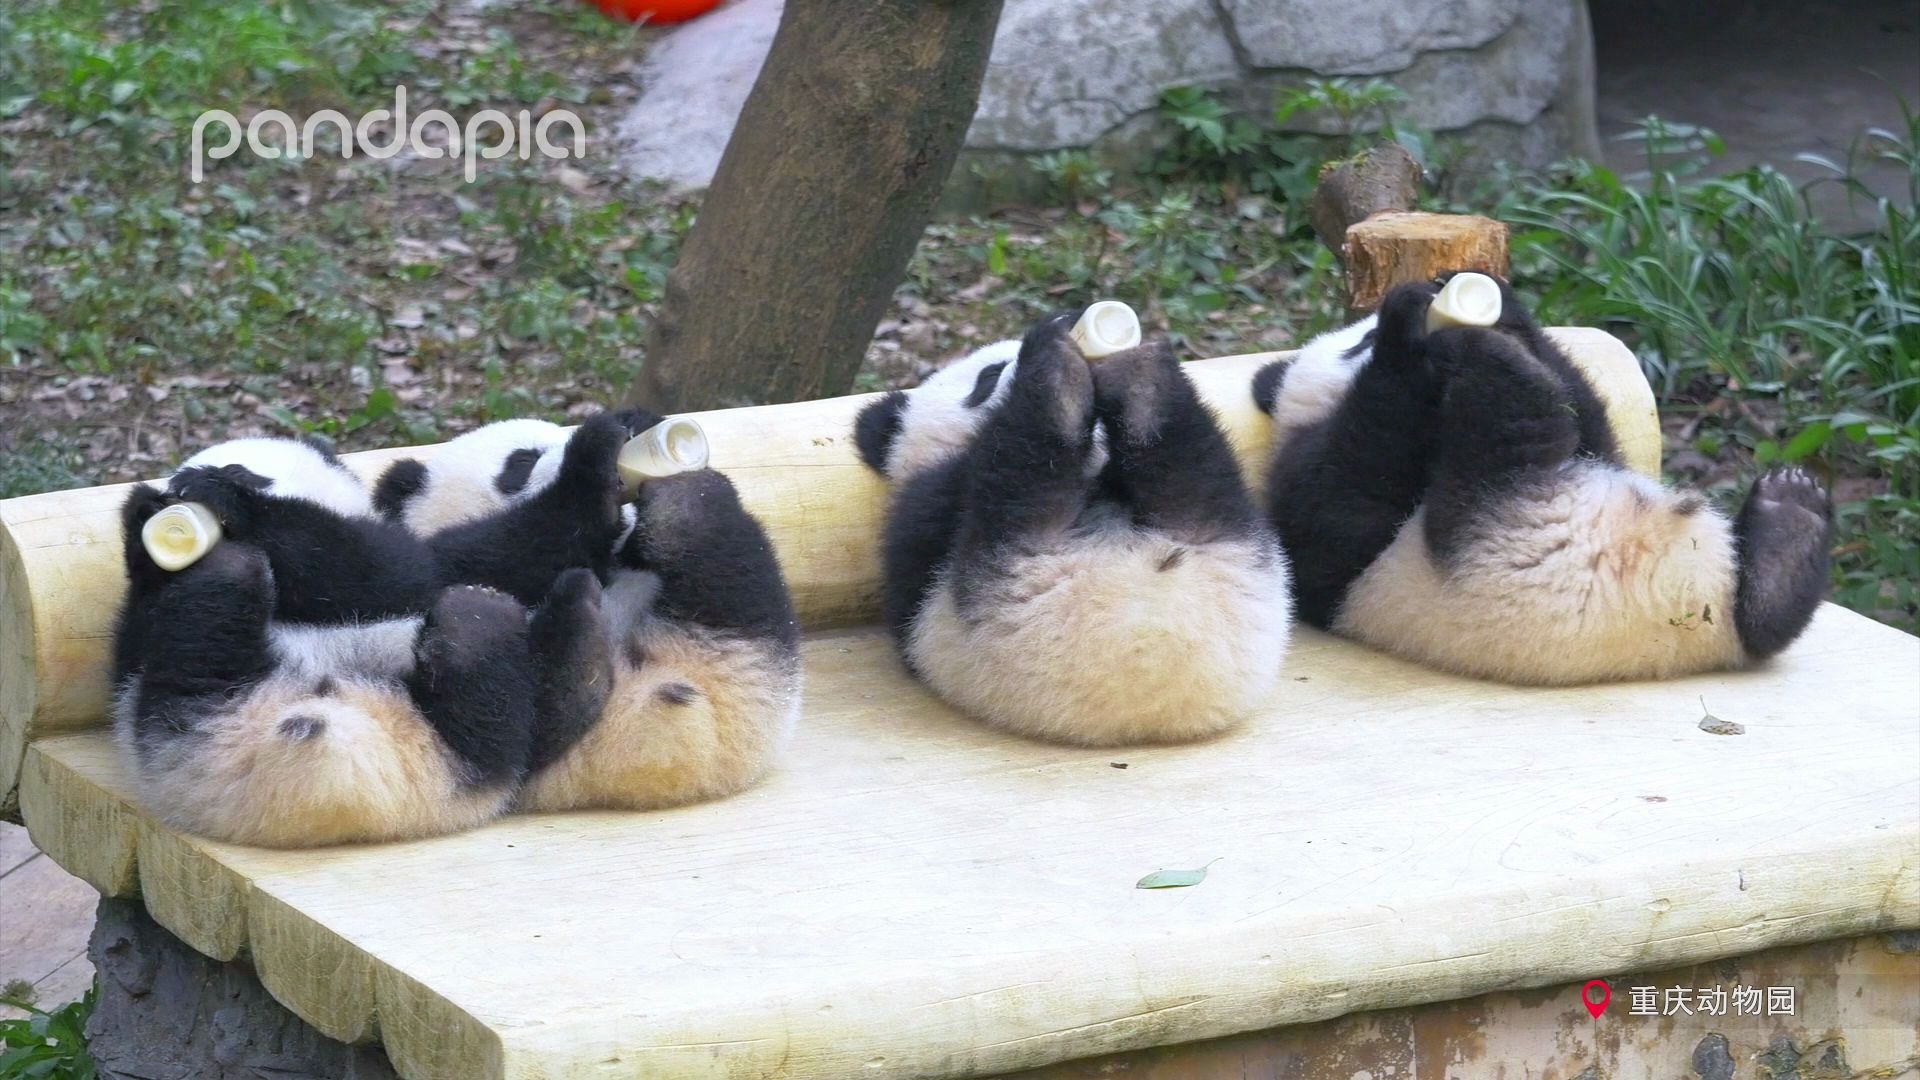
[1358, 106]
[1074, 175]
[47, 1045]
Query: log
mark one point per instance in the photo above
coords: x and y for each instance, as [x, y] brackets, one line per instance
[61, 574]
[1376, 181]
[1397, 247]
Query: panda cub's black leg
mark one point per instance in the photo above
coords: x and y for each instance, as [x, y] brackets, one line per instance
[196, 636]
[572, 654]
[1168, 459]
[1026, 471]
[715, 564]
[572, 522]
[1343, 487]
[1504, 416]
[144, 576]
[474, 681]
[1783, 534]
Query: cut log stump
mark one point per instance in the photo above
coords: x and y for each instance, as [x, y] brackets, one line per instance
[1395, 247]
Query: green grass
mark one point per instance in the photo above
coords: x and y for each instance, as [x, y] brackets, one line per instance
[345, 297]
[47, 1045]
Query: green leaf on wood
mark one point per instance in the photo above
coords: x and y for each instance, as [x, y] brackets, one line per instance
[1172, 879]
[1713, 725]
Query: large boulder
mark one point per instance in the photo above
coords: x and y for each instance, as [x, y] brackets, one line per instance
[1515, 76]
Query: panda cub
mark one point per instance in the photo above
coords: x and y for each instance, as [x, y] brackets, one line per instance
[1456, 497]
[1070, 551]
[691, 683]
[308, 681]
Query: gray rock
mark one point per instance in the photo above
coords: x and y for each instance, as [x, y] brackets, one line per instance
[1066, 71]
[165, 1012]
[1364, 37]
[1070, 73]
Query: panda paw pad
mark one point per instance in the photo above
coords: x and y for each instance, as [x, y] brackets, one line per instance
[1791, 488]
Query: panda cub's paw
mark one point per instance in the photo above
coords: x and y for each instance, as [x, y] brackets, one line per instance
[589, 476]
[1052, 373]
[232, 492]
[571, 647]
[1788, 516]
[1792, 492]
[467, 629]
[636, 420]
[1131, 390]
[1400, 335]
[1784, 533]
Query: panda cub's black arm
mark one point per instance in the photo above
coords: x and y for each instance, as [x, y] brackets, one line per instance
[571, 523]
[1342, 487]
[716, 566]
[327, 566]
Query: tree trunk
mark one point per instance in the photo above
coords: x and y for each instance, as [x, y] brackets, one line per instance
[830, 177]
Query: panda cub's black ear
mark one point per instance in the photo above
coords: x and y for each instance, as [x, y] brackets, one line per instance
[876, 427]
[398, 485]
[1266, 386]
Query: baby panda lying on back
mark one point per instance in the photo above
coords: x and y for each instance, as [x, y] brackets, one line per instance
[691, 683]
[309, 680]
[1070, 551]
[1456, 497]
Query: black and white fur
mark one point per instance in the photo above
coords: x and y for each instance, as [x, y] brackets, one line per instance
[308, 681]
[692, 683]
[1070, 550]
[1457, 498]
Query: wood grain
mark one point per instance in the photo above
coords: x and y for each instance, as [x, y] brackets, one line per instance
[1395, 247]
[913, 894]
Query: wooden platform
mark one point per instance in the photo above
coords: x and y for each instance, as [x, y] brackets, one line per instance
[913, 895]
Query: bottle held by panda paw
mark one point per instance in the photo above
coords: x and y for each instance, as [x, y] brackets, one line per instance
[1106, 328]
[1467, 299]
[675, 445]
[177, 537]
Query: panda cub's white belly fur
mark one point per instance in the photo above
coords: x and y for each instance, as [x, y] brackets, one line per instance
[284, 766]
[1608, 575]
[1113, 635]
[691, 715]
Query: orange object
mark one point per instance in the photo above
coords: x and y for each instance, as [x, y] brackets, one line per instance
[656, 11]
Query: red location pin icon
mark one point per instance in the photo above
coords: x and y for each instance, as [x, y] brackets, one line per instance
[1595, 996]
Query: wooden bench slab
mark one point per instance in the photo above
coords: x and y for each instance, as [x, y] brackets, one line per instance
[915, 895]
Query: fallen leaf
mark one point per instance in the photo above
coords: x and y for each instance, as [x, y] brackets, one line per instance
[1713, 725]
[1172, 879]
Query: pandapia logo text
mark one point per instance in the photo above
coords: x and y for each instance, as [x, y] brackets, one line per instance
[489, 134]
